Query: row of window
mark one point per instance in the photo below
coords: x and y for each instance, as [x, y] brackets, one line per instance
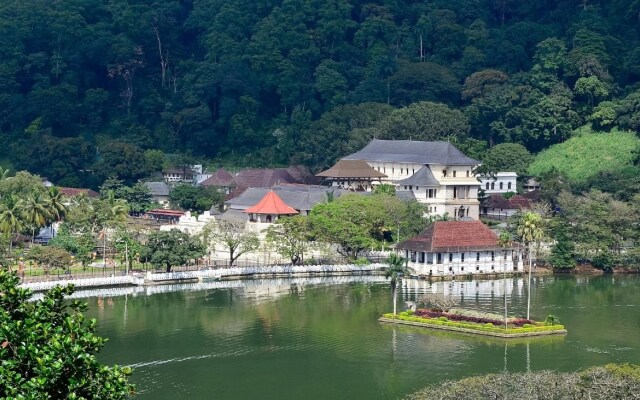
[439, 257]
[493, 185]
[444, 173]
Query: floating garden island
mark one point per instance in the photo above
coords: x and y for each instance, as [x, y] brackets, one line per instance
[476, 323]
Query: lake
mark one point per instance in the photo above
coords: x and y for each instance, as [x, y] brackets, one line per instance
[319, 338]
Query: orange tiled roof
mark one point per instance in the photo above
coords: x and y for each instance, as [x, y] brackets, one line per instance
[271, 203]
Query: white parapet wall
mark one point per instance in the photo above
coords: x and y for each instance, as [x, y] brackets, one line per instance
[158, 278]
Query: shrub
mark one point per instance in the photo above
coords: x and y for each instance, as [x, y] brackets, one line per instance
[436, 301]
[361, 261]
[599, 383]
[410, 312]
[551, 320]
[443, 319]
[522, 322]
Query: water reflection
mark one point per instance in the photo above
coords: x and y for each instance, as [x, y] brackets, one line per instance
[318, 338]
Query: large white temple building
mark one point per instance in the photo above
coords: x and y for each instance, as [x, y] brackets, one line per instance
[435, 173]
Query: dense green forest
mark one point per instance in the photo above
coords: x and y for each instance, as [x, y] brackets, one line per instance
[95, 88]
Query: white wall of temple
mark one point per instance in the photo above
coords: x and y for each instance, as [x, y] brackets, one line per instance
[395, 171]
[463, 263]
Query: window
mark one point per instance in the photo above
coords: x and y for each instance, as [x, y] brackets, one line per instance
[393, 170]
[405, 188]
[509, 185]
[401, 170]
[505, 255]
[462, 257]
[477, 256]
[487, 186]
[444, 173]
[493, 186]
[454, 174]
[493, 256]
[450, 257]
[501, 185]
[413, 170]
[378, 169]
[439, 258]
[410, 187]
[384, 169]
[467, 173]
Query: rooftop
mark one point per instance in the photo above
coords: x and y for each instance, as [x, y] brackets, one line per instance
[220, 178]
[516, 202]
[157, 188]
[424, 177]
[72, 192]
[300, 197]
[415, 152]
[264, 178]
[271, 203]
[351, 169]
[449, 236]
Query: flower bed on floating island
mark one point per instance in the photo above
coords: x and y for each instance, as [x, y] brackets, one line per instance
[474, 322]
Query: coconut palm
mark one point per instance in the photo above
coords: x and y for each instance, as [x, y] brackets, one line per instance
[57, 208]
[35, 211]
[10, 217]
[530, 231]
[395, 269]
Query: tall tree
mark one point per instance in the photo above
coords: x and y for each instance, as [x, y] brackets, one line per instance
[395, 269]
[530, 231]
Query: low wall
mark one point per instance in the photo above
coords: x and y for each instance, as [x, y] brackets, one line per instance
[223, 273]
[85, 282]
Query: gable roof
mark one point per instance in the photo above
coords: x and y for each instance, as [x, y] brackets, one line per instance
[424, 177]
[271, 203]
[415, 152]
[300, 197]
[157, 188]
[351, 169]
[264, 178]
[220, 178]
[72, 192]
[516, 202]
[452, 236]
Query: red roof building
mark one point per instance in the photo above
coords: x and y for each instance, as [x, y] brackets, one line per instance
[459, 247]
[271, 203]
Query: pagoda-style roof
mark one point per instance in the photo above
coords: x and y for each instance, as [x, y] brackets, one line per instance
[453, 236]
[351, 169]
[411, 151]
[424, 177]
[271, 203]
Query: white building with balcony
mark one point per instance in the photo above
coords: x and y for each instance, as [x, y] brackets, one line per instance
[450, 248]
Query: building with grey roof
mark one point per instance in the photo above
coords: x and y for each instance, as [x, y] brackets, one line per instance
[300, 197]
[159, 192]
[437, 173]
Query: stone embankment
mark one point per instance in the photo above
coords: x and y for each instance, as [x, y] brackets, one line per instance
[210, 274]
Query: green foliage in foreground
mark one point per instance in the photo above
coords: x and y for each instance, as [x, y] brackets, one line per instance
[611, 381]
[48, 349]
[478, 327]
[588, 154]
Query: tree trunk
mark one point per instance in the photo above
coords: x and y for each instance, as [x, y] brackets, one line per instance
[529, 286]
[168, 268]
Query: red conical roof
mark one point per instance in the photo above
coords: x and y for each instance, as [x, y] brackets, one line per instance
[271, 203]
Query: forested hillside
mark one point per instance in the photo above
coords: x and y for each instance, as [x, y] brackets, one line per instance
[90, 85]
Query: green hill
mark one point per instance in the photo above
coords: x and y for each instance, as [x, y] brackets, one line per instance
[587, 154]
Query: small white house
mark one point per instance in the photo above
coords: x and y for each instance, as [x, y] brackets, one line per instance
[502, 182]
[450, 248]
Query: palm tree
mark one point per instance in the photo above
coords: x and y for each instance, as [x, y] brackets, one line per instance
[530, 232]
[395, 269]
[10, 217]
[503, 241]
[57, 208]
[35, 211]
[4, 173]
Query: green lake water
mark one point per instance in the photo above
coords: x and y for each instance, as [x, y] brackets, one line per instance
[320, 339]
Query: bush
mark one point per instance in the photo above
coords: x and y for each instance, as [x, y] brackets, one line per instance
[551, 320]
[600, 383]
[361, 261]
[443, 319]
[436, 301]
